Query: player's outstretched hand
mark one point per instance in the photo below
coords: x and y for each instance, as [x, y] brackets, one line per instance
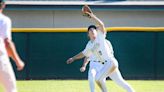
[20, 65]
[82, 69]
[69, 61]
[87, 12]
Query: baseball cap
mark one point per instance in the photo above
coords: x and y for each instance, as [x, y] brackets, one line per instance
[92, 26]
[2, 1]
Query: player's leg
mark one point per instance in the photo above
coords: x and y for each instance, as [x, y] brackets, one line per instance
[112, 64]
[102, 85]
[95, 67]
[101, 76]
[91, 79]
[117, 77]
[7, 76]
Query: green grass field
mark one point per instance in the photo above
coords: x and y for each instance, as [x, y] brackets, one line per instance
[83, 86]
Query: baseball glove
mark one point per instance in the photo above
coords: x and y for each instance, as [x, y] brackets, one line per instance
[86, 10]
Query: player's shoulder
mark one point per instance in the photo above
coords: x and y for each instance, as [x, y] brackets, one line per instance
[107, 41]
[5, 18]
[89, 44]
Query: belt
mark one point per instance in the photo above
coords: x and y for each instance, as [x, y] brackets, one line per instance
[100, 62]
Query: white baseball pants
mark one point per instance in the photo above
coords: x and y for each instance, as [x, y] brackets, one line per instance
[7, 76]
[94, 68]
[115, 76]
[118, 79]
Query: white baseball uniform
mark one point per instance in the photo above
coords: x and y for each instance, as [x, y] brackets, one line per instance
[101, 51]
[95, 67]
[7, 76]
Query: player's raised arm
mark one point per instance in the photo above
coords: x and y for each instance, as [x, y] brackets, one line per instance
[88, 12]
[99, 23]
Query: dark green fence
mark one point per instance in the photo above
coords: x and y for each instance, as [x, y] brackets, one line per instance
[140, 54]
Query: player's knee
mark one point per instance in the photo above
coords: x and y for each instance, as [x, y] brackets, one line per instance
[99, 80]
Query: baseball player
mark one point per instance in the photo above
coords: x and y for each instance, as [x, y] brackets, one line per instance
[98, 47]
[94, 68]
[7, 49]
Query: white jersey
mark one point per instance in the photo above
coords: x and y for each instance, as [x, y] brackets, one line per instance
[110, 47]
[5, 32]
[93, 60]
[99, 48]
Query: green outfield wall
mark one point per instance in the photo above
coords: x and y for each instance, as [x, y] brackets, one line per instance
[139, 51]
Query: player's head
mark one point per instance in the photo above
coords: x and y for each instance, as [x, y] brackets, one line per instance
[92, 32]
[2, 4]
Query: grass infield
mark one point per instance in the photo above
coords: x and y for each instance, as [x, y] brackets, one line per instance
[83, 86]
